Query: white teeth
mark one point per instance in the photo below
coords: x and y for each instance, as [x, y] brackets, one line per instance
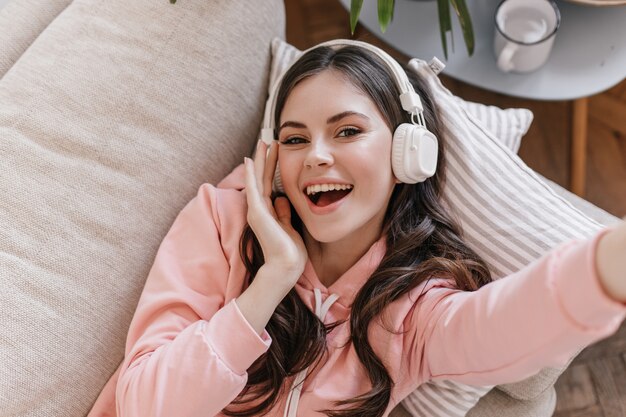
[312, 189]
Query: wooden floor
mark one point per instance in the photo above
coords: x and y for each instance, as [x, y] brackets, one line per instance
[595, 383]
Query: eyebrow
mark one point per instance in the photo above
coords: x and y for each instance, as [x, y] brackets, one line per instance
[332, 119]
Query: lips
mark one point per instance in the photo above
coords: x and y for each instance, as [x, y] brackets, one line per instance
[326, 198]
[326, 204]
[324, 194]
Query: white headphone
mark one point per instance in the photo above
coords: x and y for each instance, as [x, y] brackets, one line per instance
[414, 148]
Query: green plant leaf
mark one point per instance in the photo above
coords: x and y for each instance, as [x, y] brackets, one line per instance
[355, 11]
[385, 13]
[445, 25]
[466, 24]
[172, 1]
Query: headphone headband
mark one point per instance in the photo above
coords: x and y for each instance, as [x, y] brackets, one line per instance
[409, 99]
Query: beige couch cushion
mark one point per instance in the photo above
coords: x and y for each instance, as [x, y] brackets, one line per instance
[110, 121]
[21, 21]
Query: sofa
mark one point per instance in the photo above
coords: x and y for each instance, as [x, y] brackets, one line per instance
[112, 114]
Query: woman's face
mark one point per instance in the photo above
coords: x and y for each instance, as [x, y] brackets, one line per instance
[332, 135]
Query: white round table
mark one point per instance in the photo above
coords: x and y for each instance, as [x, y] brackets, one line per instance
[588, 56]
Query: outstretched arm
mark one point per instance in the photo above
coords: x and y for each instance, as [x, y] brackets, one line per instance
[511, 328]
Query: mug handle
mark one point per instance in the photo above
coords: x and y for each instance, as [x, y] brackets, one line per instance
[504, 59]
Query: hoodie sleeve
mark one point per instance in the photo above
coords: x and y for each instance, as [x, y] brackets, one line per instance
[187, 349]
[511, 328]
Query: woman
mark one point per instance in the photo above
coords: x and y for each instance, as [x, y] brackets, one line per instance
[349, 290]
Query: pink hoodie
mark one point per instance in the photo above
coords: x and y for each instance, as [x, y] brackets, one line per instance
[189, 346]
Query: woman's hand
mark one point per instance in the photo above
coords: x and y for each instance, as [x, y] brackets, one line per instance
[283, 247]
[611, 262]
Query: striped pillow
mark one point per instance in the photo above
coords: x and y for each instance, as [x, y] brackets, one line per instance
[507, 125]
[443, 399]
[510, 217]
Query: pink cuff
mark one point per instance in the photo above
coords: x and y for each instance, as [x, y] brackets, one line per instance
[236, 179]
[584, 301]
[234, 340]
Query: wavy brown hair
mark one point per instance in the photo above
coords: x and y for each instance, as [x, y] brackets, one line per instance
[423, 239]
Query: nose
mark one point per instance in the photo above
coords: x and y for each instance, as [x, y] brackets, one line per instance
[319, 154]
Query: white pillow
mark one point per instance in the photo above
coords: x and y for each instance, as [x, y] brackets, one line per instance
[510, 217]
[507, 125]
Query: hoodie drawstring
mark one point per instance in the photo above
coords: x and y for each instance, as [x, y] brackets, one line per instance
[291, 408]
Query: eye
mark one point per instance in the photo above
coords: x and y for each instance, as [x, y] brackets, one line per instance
[349, 131]
[293, 140]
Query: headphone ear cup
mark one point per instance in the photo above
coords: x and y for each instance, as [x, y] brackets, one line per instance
[414, 153]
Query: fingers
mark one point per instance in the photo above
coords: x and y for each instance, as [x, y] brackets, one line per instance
[259, 175]
[252, 190]
[259, 164]
[283, 210]
[265, 166]
[270, 168]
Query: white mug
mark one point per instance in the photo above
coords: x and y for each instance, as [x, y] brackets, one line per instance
[524, 34]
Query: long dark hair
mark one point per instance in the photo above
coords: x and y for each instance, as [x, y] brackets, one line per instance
[423, 240]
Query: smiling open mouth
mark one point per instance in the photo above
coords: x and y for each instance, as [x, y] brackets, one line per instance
[322, 198]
